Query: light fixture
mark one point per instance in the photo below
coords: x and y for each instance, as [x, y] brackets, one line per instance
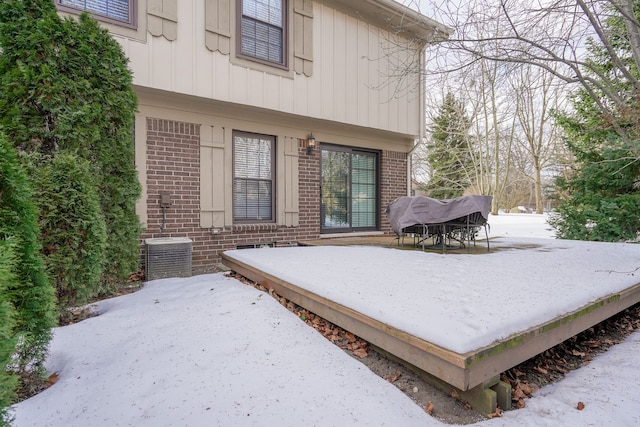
[311, 143]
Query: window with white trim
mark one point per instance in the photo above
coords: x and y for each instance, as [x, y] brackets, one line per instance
[253, 177]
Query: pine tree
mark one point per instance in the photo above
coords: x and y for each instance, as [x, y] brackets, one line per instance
[600, 198]
[450, 159]
[66, 87]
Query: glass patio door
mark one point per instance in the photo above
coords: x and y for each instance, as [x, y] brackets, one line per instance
[349, 190]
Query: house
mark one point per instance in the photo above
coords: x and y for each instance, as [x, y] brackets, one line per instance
[267, 122]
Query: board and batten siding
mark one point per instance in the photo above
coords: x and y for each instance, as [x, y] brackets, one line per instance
[215, 190]
[342, 72]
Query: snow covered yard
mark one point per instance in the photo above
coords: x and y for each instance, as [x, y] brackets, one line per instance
[208, 350]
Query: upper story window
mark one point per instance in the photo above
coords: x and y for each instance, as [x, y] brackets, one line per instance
[263, 31]
[121, 12]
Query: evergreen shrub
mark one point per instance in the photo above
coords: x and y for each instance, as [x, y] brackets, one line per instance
[30, 294]
[72, 228]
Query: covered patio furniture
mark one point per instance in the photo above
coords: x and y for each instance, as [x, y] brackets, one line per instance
[443, 221]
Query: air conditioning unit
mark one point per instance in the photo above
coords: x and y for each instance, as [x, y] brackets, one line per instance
[168, 257]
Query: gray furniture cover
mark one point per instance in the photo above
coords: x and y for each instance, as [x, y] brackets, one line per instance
[404, 212]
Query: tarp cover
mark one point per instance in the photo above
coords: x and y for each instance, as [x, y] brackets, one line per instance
[407, 211]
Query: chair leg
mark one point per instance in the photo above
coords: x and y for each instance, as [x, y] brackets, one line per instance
[486, 233]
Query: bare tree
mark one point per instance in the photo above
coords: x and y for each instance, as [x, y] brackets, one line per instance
[483, 87]
[553, 36]
[538, 94]
[495, 114]
[491, 40]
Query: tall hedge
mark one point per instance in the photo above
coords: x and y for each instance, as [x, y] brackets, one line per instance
[66, 87]
[72, 228]
[8, 380]
[30, 294]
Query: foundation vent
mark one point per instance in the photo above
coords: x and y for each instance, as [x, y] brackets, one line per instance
[168, 257]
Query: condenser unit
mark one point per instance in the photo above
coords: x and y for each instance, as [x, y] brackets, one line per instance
[168, 257]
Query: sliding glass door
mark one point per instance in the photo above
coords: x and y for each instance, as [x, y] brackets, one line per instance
[349, 190]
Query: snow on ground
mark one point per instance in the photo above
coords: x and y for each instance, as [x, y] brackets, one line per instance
[519, 225]
[207, 350]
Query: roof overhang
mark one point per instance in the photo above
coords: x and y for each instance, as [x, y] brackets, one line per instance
[395, 17]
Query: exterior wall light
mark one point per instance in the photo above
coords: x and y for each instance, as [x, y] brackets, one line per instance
[311, 143]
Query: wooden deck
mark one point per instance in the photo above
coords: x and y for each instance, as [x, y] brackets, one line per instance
[475, 373]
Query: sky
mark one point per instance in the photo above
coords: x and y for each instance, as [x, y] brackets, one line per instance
[209, 350]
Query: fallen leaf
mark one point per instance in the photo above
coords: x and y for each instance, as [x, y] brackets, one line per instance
[496, 414]
[429, 408]
[517, 372]
[354, 346]
[393, 378]
[526, 389]
[580, 406]
[541, 370]
[361, 353]
[517, 393]
[349, 337]
[559, 369]
[53, 378]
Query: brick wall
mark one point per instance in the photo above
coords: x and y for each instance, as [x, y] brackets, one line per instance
[394, 183]
[309, 191]
[173, 166]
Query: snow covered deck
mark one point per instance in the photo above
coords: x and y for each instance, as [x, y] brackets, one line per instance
[462, 318]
